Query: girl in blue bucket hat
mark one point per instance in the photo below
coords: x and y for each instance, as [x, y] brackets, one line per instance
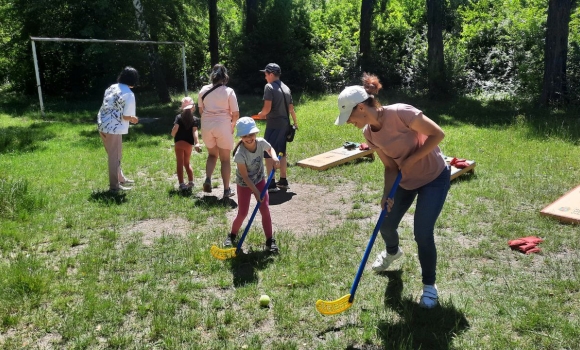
[250, 179]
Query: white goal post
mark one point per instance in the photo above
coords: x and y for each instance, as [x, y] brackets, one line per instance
[33, 39]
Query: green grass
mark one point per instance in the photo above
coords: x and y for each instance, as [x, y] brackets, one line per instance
[78, 269]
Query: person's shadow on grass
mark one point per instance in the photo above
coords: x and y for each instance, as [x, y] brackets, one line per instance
[181, 193]
[245, 266]
[213, 201]
[108, 197]
[418, 328]
[282, 196]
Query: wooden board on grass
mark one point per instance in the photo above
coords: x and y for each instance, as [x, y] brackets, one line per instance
[455, 172]
[565, 208]
[335, 157]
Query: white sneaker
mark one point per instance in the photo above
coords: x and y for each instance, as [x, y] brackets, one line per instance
[121, 188]
[384, 260]
[430, 297]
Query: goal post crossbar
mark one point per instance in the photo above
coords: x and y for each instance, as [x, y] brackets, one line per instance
[138, 42]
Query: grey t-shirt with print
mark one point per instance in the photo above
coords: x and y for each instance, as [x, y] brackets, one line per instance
[278, 117]
[254, 161]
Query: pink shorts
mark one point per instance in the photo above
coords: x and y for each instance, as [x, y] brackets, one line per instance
[217, 131]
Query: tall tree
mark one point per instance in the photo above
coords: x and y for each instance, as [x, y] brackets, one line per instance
[554, 87]
[251, 16]
[213, 32]
[435, 59]
[158, 77]
[366, 21]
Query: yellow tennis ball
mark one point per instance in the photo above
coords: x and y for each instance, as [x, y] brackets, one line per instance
[264, 300]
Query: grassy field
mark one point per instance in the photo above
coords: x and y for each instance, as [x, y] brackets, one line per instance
[78, 269]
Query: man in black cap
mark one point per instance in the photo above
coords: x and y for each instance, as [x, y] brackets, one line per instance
[278, 106]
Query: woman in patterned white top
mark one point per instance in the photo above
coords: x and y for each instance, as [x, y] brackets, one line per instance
[117, 111]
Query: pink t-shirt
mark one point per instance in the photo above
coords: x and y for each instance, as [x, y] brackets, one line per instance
[398, 141]
[220, 103]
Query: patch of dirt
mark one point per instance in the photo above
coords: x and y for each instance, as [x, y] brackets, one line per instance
[308, 209]
[303, 210]
[156, 228]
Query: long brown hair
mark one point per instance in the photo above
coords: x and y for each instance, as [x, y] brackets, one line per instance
[187, 118]
[372, 86]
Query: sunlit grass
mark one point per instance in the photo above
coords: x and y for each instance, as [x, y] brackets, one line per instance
[80, 268]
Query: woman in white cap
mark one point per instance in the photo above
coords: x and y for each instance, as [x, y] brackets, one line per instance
[185, 137]
[250, 179]
[407, 141]
[218, 107]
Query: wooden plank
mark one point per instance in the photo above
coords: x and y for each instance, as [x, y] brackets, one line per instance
[335, 157]
[455, 172]
[565, 208]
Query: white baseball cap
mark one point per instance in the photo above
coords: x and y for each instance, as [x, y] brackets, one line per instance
[347, 100]
[245, 126]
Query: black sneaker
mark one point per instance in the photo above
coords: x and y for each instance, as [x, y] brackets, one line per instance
[283, 183]
[271, 245]
[272, 187]
[230, 240]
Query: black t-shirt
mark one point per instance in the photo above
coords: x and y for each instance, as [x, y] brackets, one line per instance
[183, 133]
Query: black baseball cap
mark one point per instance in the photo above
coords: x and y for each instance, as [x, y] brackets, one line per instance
[272, 68]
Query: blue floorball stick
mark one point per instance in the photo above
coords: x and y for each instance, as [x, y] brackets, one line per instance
[342, 304]
[228, 253]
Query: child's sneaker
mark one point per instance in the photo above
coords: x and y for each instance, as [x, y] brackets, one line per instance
[430, 297]
[283, 183]
[229, 193]
[384, 260]
[127, 182]
[271, 245]
[183, 187]
[190, 184]
[272, 187]
[207, 185]
[230, 240]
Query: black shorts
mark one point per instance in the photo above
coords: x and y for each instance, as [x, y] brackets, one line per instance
[277, 139]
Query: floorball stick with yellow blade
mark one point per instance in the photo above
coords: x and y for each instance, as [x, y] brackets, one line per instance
[342, 304]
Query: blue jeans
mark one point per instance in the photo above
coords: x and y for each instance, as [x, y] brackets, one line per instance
[430, 200]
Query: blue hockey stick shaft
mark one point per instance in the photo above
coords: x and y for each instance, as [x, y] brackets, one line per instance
[372, 240]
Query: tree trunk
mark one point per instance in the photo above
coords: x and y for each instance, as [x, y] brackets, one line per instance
[435, 59]
[366, 21]
[158, 77]
[213, 32]
[554, 87]
[251, 15]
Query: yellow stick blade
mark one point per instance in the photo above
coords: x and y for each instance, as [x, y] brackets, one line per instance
[222, 254]
[333, 307]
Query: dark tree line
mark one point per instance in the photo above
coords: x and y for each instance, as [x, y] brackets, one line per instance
[436, 47]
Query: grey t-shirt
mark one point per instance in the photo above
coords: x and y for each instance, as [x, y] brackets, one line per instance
[254, 161]
[278, 117]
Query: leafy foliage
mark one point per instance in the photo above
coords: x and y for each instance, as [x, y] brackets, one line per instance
[490, 46]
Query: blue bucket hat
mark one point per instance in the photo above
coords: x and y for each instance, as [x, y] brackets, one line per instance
[245, 126]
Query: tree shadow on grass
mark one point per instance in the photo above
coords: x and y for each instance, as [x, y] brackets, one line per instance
[418, 328]
[108, 198]
[24, 139]
[245, 266]
[213, 201]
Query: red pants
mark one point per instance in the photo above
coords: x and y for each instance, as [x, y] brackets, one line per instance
[244, 196]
